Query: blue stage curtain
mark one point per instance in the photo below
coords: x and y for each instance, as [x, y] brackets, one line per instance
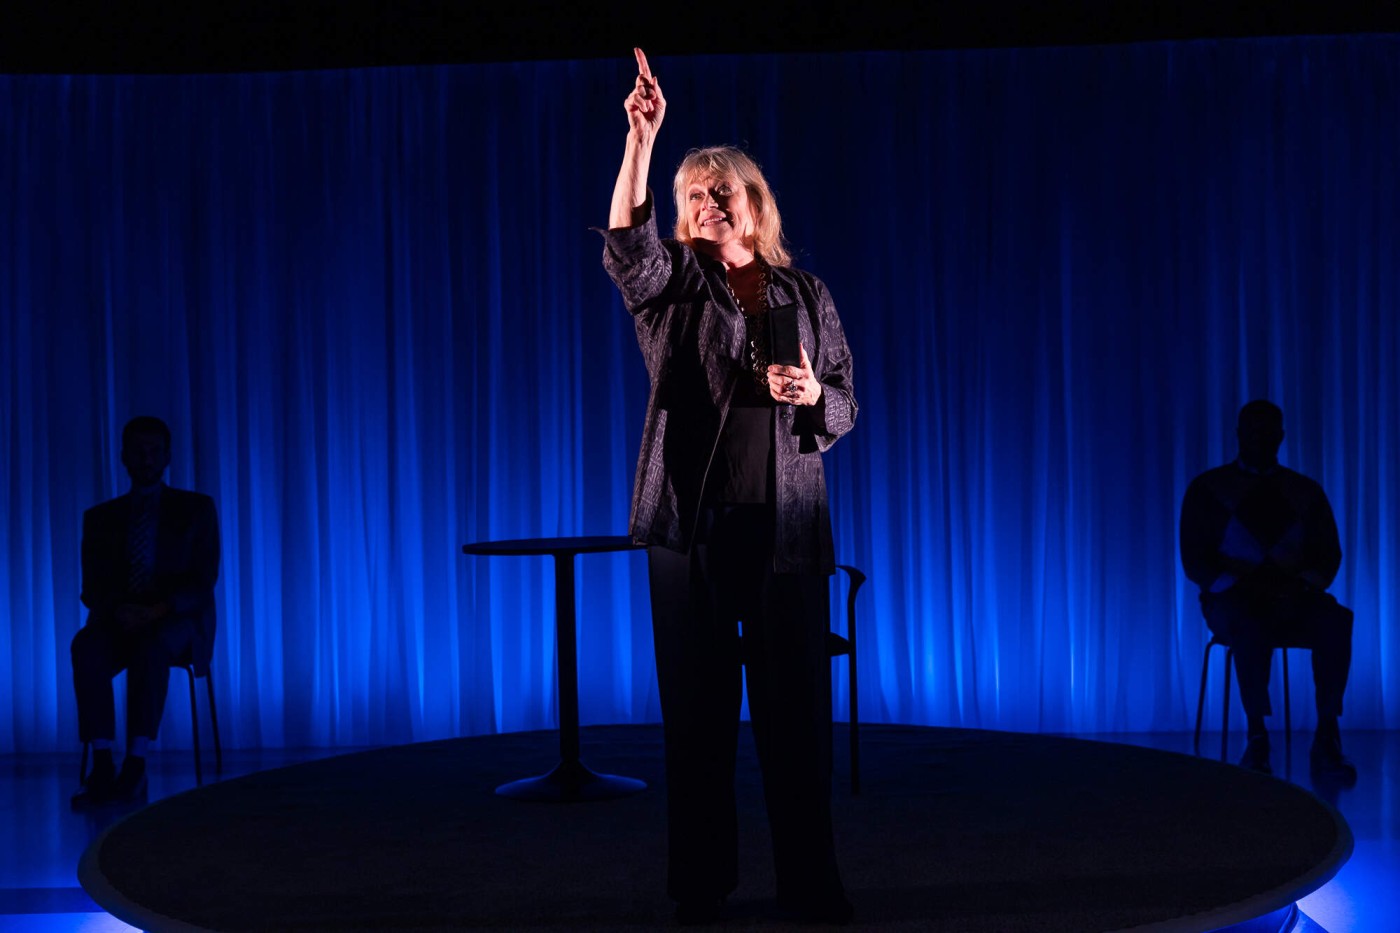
[370, 307]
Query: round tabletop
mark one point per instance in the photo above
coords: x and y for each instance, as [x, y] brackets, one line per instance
[588, 544]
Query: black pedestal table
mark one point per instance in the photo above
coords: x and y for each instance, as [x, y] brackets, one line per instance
[571, 779]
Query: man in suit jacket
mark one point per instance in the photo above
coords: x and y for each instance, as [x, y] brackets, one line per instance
[150, 561]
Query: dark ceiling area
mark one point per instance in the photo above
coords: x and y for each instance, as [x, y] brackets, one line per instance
[167, 37]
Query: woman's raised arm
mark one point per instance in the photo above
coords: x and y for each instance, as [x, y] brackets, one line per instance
[646, 108]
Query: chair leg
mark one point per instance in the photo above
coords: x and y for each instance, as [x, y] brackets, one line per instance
[1225, 719]
[1287, 710]
[214, 723]
[194, 728]
[855, 726]
[1201, 702]
[82, 765]
[856, 580]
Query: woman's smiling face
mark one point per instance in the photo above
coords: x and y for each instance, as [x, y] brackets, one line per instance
[718, 211]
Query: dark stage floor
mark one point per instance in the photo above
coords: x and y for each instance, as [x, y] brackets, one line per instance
[42, 840]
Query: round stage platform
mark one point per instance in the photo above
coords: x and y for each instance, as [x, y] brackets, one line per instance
[954, 830]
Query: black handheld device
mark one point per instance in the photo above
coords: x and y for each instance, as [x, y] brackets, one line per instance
[783, 337]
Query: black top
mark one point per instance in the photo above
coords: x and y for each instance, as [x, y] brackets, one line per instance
[742, 470]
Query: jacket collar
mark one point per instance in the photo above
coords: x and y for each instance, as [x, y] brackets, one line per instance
[781, 290]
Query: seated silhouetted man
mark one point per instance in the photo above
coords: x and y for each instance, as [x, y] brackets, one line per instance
[1261, 543]
[150, 560]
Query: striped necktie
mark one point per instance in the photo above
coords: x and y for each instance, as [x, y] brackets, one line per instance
[141, 543]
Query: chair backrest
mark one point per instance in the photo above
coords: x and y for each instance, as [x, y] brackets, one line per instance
[857, 580]
[836, 643]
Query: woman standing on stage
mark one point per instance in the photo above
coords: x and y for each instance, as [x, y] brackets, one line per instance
[731, 497]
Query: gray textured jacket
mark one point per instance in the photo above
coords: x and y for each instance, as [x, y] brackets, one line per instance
[691, 334]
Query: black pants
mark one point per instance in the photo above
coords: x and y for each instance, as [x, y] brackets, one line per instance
[697, 602]
[100, 652]
[1254, 625]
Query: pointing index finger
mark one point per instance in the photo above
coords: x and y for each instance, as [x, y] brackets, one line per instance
[642, 67]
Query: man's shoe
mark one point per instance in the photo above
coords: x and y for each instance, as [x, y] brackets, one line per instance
[130, 785]
[1256, 754]
[1328, 763]
[97, 786]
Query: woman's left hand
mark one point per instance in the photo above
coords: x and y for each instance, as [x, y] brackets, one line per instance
[796, 385]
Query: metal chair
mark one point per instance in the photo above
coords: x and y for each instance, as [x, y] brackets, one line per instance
[836, 646]
[189, 668]
[1225, 706]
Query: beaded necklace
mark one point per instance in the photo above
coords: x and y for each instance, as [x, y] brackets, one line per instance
[756, 328]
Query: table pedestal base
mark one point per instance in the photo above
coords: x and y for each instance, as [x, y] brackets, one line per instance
[571, 781]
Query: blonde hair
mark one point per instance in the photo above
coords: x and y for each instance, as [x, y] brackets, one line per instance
[734, 165]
